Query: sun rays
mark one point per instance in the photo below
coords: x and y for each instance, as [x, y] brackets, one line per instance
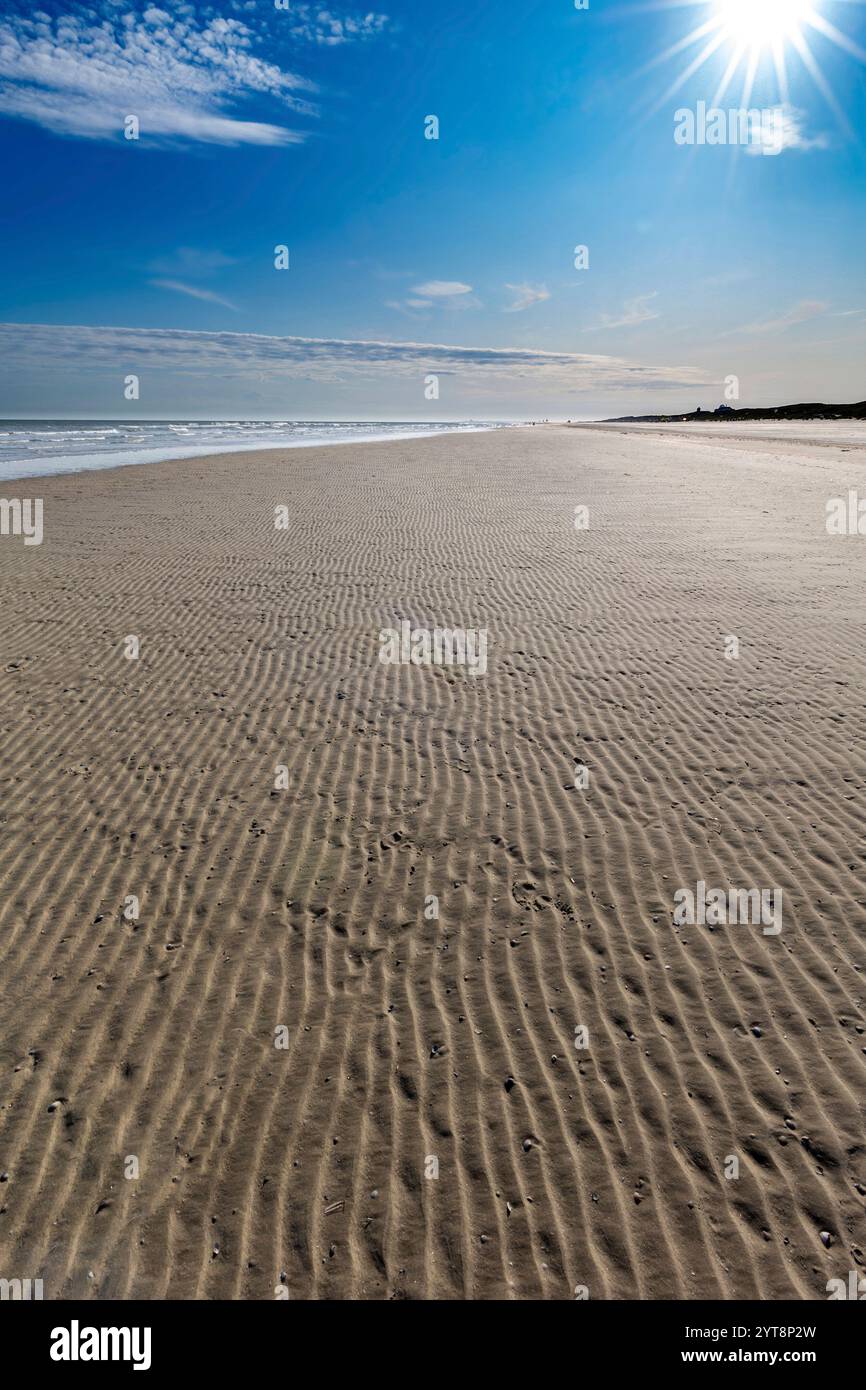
[752, 37]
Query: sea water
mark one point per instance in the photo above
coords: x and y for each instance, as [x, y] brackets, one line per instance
[30, 448]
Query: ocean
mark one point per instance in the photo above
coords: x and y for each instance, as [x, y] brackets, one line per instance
[30, 448]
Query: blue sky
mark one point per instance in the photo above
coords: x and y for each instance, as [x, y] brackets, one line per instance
[305, 126]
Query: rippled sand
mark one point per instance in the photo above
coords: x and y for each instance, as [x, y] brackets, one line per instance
[296, 901]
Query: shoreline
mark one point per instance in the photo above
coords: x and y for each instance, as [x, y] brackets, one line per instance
[801, 435]
[196, 452]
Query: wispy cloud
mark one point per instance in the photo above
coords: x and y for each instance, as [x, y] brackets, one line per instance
[802, 312]
[37, 347]
[191, 262]
[440, 294]
[321, 26]
[181, 71]
[442, 289]
[194, 292]
[785, 132]
[527, 295]
[634, 311]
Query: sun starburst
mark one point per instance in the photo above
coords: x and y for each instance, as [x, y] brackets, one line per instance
[749, 34]
[762, 23]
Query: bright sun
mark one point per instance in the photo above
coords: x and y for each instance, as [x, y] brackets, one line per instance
[762, 23]
[752, 37]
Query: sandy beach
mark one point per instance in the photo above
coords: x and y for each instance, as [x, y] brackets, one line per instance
[240, 1050]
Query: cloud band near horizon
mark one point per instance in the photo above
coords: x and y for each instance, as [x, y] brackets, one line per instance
[196, 353]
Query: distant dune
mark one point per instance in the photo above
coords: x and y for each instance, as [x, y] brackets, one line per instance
[813, 410]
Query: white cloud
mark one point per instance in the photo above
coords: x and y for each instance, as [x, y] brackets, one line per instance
[181, 73]
[634, 311]
[526, 296]
[442, 289]
[194, 291]
[37, 348]
[322, 27]
[435, 294]
[802, 312]
[785, 132]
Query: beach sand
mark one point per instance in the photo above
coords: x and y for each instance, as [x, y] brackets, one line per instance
[156, 1141]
